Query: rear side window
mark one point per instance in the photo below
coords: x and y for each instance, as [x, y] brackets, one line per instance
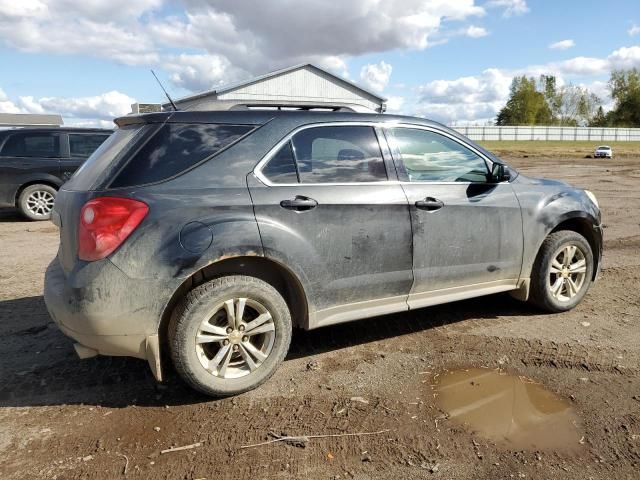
[340, 154]
[25, 144]
[83, 145]
[175, 148]
[282, 166]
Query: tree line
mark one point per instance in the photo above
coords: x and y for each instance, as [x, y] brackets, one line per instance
[543, 102]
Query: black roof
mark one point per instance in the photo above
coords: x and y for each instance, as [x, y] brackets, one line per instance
[260, 117]
[56, 129]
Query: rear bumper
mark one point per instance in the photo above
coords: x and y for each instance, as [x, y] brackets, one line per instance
[105, 311]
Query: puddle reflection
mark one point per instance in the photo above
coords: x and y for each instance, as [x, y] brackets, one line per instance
[508, 409]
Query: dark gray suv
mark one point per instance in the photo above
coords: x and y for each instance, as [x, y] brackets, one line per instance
[203, 238]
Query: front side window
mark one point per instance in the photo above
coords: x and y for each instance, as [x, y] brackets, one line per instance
[426, 156]
[175, 148]
[338, 154]
[83, 145]
[26, 144]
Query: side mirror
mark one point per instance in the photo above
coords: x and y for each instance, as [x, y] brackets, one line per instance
[500, 173]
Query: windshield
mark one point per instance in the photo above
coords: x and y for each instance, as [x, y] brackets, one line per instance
[91, 171]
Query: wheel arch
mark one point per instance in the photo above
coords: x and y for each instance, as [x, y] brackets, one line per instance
[266, 269]
[46, 181]
[582, 223]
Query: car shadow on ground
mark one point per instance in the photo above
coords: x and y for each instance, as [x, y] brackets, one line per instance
[38, 365]
[11, 215]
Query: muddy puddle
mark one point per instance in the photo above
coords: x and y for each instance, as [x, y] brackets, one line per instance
[509, 410]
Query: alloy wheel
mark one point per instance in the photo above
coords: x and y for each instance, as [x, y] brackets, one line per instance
[235, 338]
[567, 272]
[40, 203]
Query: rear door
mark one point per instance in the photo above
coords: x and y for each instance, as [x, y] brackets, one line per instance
[467, 229]
[28, 156]
[327, 208]
[81, 146]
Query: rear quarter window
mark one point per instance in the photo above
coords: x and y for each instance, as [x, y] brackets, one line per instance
[175, 148]
[84, 144]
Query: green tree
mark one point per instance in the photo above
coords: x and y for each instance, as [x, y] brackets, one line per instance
[599, 119]
[625, 91]
[526, 105]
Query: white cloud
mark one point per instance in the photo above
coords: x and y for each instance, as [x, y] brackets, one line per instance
[511, 7]
[476, 32]
[634, 30]
[376, 75]
[6, 105]
[98, 110]
[562, 45]
[479, 98]
[625, 57]
[395, 104]
[465, 98]
[240, 37]
[197, 72]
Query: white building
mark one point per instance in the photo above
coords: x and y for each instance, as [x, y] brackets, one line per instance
[302, 86]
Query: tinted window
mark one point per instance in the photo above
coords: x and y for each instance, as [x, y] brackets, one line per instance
[83, 145]
[175, 148]
[32, 145]
[429, 156]
[341, 154]
[282, 166]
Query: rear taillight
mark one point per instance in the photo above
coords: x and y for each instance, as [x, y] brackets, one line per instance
[105, 223]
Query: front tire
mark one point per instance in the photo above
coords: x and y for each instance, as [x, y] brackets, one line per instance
[36, 201]
[230, 335]
[562, 272]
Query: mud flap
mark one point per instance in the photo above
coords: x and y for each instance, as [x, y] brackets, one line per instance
[153, 356]
[522, 292]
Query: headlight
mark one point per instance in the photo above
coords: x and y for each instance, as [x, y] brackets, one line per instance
[592, 197]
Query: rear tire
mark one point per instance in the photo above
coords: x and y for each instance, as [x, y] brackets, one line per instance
[36, 201]
[562, 272]
[229, 335]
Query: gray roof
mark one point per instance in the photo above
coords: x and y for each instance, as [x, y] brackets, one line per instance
[29, 119]
[234, 86]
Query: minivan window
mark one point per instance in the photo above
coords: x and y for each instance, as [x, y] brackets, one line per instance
[282, 166]
[175, 148]
[427, 156]
[26, 144]
[339, 154]
[83, 145]
[103, 160]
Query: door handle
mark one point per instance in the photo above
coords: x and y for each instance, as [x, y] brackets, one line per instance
[430, 204]
[299, 203]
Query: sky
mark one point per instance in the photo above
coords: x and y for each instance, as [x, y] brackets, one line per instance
[448, 60]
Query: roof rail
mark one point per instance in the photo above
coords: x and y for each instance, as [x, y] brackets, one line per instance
[226, 105]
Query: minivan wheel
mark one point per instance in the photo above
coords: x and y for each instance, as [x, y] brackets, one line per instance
[36, 201]
[562, 272]
[229, 335]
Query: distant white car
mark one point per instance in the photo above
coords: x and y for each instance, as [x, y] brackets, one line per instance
[603, 151]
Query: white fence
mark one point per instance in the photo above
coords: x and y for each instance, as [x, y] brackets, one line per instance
[595, 134]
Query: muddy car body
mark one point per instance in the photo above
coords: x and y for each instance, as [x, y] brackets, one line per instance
[297, 219]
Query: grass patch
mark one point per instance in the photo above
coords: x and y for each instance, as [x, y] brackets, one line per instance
[559, 148]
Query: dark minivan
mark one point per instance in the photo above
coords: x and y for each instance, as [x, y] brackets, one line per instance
[35, 162]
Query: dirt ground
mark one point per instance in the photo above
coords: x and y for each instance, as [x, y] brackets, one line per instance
[104, 418]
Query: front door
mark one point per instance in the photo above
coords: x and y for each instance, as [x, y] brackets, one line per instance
[326, 208]
[467, 229]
